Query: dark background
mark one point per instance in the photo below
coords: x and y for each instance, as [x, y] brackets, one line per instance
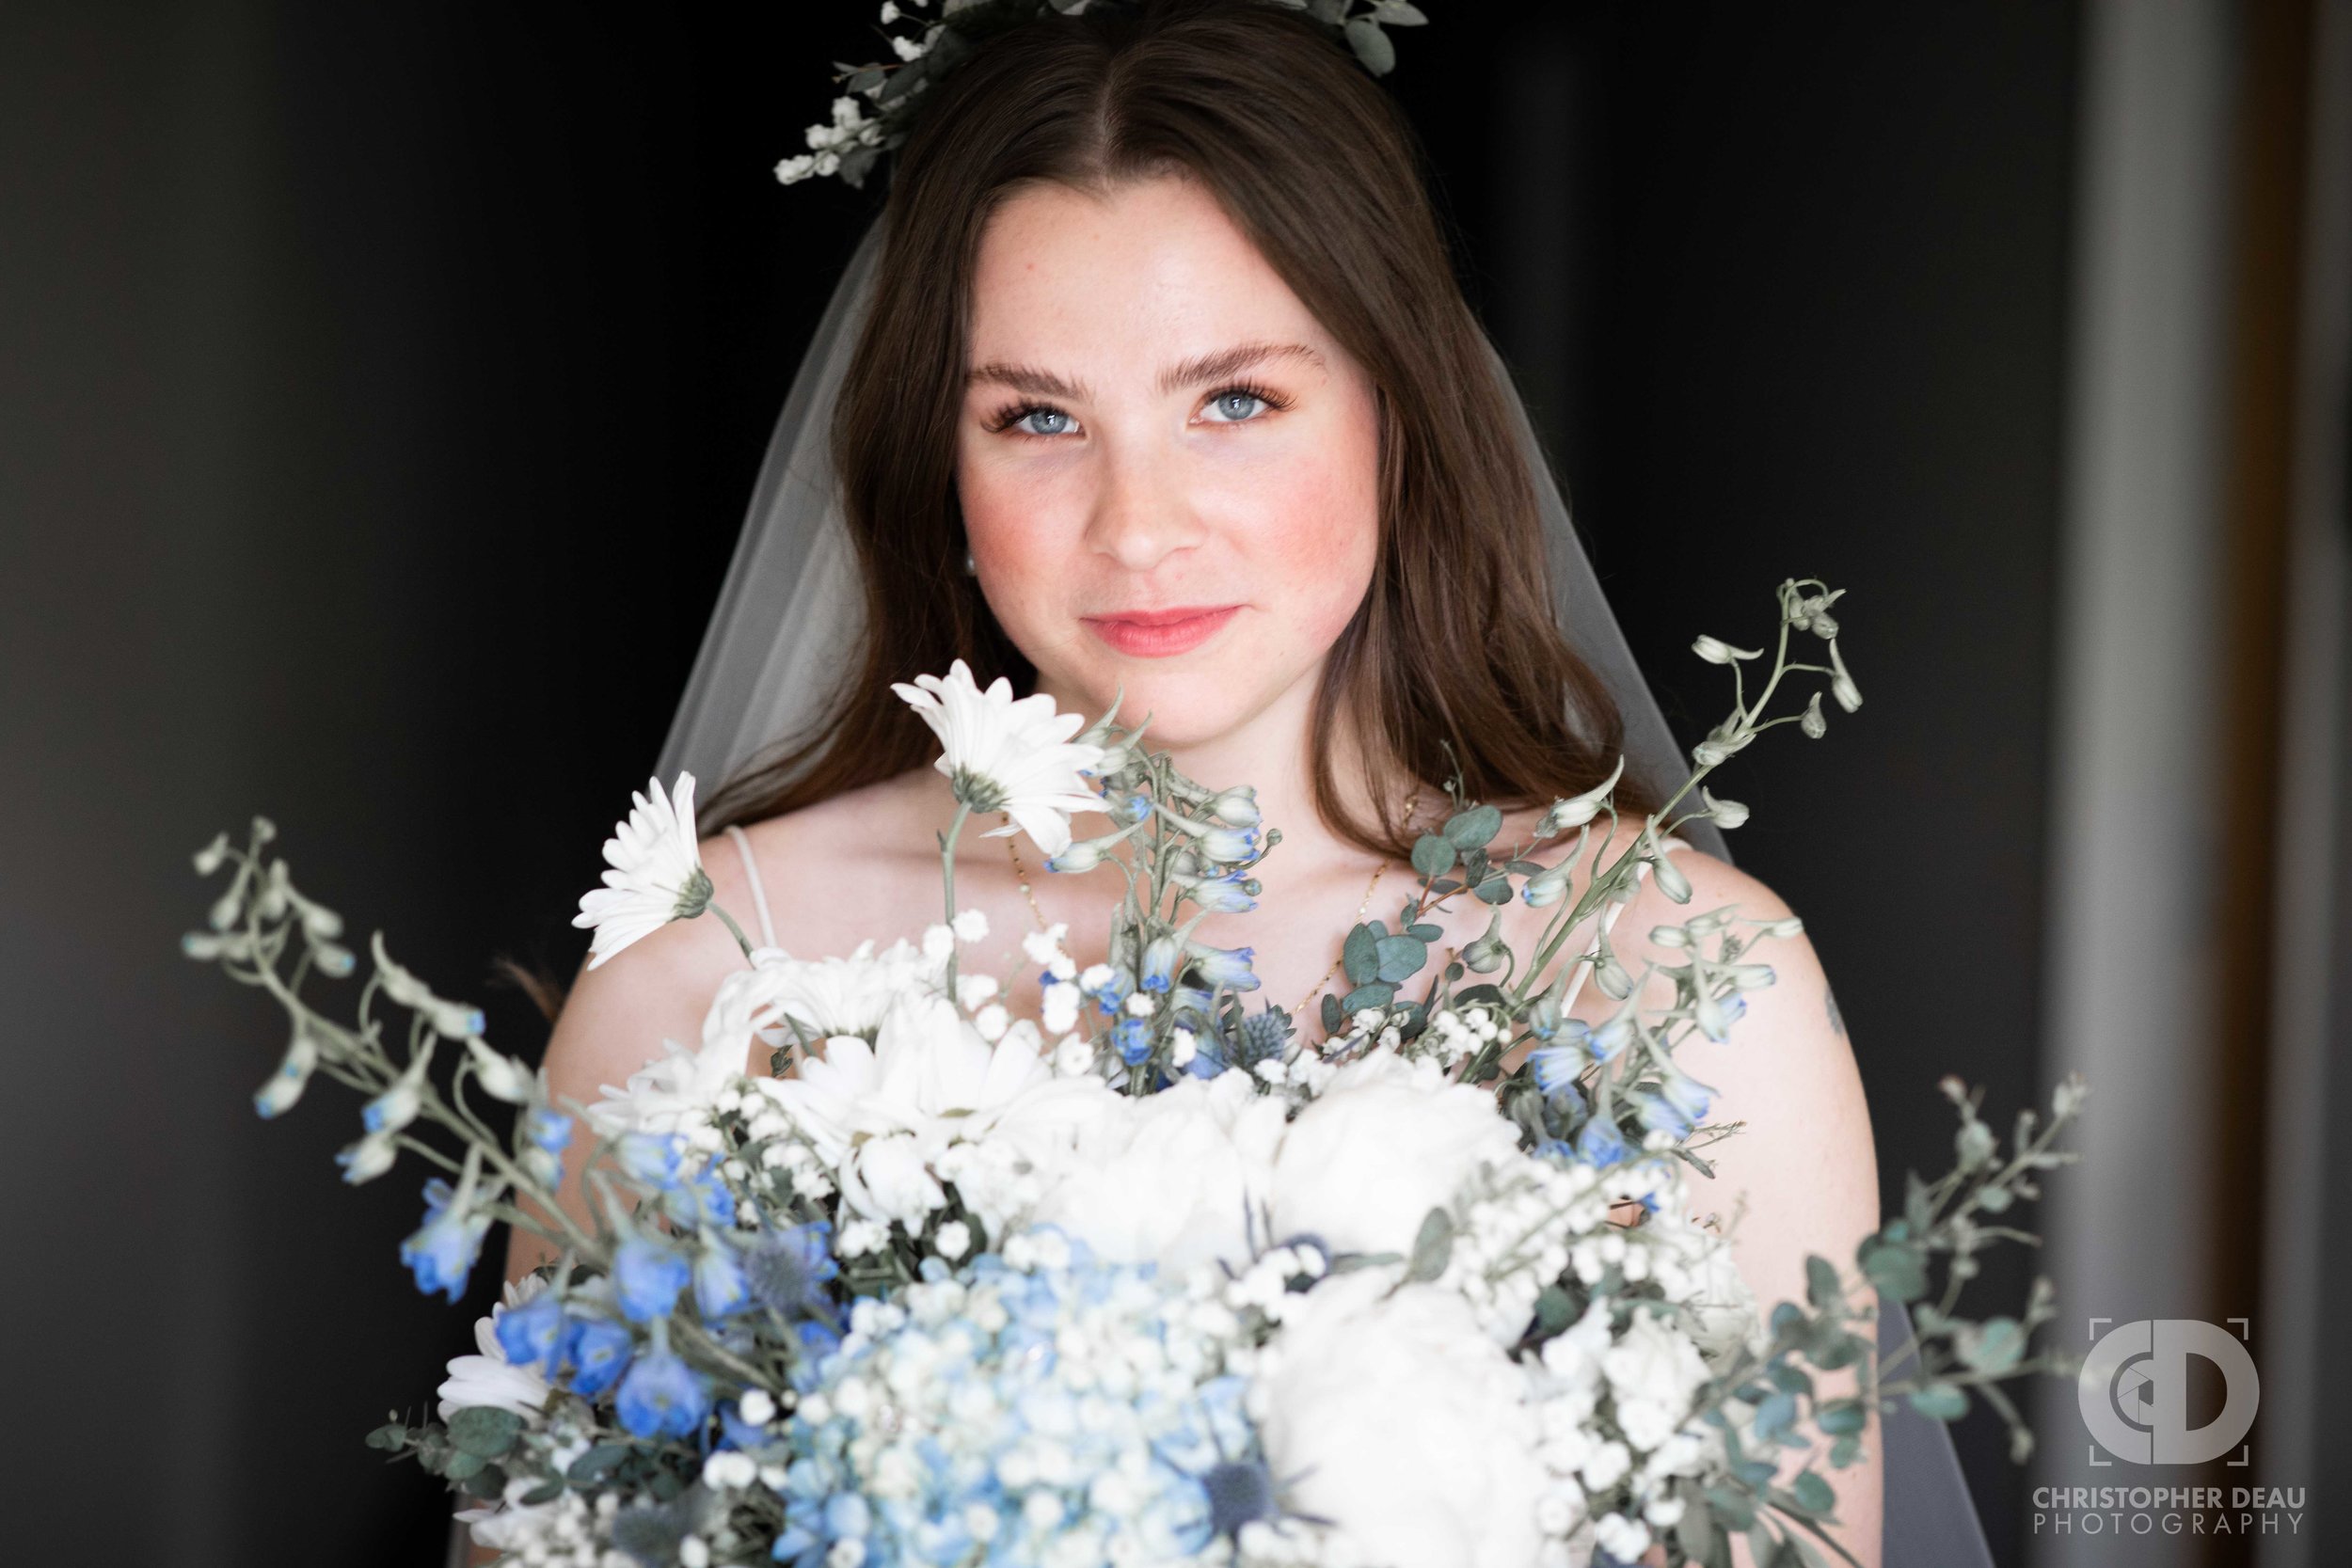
[379, 394]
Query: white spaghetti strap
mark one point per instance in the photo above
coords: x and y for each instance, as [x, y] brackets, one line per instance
[750, 874]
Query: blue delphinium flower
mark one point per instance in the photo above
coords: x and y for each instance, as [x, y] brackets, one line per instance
[548, 1129]
[701, 1199]
[444, 1249]
[787, 1270]
[1226, 845]
[663, 1396]
[1161, 956]
[656, 1161]
[600, 1352]
[1676, 1105]
[647, 1275]
[1222, 895]
[719, 1288]
[532, 1334]
[1132, 1038]
[1555, 1067]
[1225, 967]
[1112, 994]
[1601, 1143]
[736, 1432]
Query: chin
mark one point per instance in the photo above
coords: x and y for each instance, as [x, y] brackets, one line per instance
[1189, 706]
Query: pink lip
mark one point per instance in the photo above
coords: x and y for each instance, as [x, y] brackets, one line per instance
[1161, 633]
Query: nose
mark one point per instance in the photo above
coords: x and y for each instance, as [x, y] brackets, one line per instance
[1141, 511]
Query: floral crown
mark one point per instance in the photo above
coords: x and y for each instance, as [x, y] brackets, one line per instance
[932, 47]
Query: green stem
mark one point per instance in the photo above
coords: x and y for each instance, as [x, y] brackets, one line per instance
[947, 877]
[728, 921]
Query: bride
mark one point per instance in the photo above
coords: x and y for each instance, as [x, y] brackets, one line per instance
[1168, 396]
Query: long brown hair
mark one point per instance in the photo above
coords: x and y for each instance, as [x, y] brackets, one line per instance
[1453, 661]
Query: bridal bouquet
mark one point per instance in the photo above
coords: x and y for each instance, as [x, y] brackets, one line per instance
[1147, 1277]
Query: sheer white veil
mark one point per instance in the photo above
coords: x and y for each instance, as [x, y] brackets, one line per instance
[793, 603]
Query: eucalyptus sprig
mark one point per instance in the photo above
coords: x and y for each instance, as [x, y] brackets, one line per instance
[1767, 1401]
[263, 932]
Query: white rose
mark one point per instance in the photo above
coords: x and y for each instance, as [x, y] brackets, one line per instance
[1172, 1177]
[1404, 1425]
[1363, 1164]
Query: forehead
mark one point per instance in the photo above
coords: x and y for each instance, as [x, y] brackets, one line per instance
[1125, 280]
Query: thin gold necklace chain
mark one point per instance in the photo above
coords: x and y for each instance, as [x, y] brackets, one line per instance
[1021, 874]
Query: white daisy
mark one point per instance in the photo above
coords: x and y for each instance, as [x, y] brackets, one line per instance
[656, 872]
[1010, 755]
[490, 1379]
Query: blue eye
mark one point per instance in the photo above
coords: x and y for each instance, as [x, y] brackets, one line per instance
[1226, 400]
[1023, 422]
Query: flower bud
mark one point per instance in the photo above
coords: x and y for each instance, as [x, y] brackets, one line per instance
[286, 1084]
[1226, 846]
[1724, 813]
[1610, 976]
[454, 1021]
[1577, 810]
[1670, 881]
[503, 1077]
[1487, 954]
[1841, 684]
[1223, 968]
[368, 1159]
[208, 858]
[1236, 807]
[1716, 652]
[275, 886]
[1082, 855]
[398, 1105]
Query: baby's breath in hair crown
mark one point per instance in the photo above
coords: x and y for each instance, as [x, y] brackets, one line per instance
[928, 47]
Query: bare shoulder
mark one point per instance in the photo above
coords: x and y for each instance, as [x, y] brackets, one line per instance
[620, 1012]
[867, 852]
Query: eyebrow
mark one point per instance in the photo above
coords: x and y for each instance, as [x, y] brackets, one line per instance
[1201, 367]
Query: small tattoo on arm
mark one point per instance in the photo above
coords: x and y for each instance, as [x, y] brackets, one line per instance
[1837, 1019]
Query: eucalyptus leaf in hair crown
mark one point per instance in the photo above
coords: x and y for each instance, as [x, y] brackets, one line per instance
[881, 100]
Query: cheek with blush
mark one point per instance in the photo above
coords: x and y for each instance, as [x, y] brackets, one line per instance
[1317, 562]
[1023, 554]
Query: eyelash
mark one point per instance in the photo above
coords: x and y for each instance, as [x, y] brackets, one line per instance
[1012, 414]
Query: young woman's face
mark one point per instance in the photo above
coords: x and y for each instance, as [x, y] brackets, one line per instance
[1169, 470]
